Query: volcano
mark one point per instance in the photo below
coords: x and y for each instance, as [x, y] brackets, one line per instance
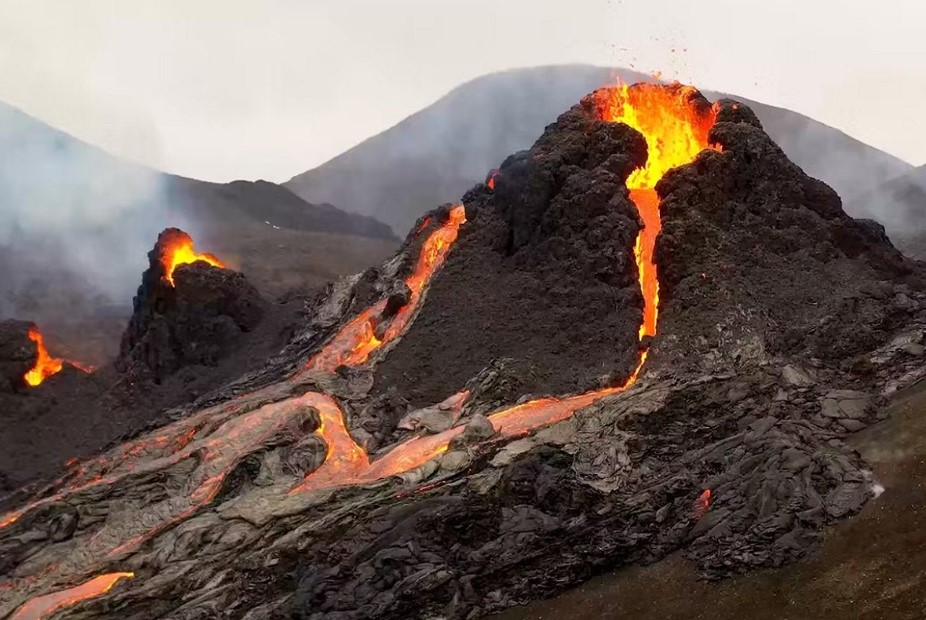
[648, 333]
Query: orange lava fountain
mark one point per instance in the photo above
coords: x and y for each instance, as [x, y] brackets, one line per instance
[183, 253]
[45, 364]
[44, 606]
[675, 131]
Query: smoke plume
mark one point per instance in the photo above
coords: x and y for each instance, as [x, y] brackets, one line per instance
[74, 221]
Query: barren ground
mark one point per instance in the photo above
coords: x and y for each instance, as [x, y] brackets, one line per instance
[870, 567]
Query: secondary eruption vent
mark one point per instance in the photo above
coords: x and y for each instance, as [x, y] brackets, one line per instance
[177, 248]
[45, 364]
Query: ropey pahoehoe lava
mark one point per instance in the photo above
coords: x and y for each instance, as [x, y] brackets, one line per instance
[581, 365]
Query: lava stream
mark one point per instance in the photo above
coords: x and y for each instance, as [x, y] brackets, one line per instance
[357, 340]
[43, 606]
[676, 130]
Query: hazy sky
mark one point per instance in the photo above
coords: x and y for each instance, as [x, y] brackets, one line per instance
[225, 89]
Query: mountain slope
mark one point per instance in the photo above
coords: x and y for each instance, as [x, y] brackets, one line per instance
[76, 224]
[439, 152]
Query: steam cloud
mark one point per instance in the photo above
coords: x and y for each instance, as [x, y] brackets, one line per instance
[75, 223]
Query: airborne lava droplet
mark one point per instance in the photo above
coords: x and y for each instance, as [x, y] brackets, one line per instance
[44, 606]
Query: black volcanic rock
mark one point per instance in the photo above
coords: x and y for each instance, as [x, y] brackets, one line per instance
[195, 320]
[17, 354]
[746, 234]
[543, 272]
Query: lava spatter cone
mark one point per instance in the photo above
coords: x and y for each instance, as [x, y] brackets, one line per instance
[303, 478]
[189, 309]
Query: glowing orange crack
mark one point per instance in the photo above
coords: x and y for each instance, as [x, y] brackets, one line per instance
[675, 132]
[45, 605]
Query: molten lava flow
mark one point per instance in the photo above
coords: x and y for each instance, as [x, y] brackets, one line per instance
[45, 364]
[491, 180]
[676, 130]
[182, 253]
[44, 606]
[357, 340]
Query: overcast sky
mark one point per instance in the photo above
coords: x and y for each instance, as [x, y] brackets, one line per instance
[227, 89]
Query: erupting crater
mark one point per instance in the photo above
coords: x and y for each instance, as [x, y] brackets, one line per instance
[178, 249]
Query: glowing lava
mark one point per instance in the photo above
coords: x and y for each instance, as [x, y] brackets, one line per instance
[702, 504]
[181, 252]
[490, 182]
[676, 130]
[358, 339]
[44, 606]
[45, 364]
[215, 440]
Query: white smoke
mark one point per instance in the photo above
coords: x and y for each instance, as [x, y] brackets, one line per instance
[73, 219]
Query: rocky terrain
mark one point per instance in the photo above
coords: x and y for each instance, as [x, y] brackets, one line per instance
[479, 421]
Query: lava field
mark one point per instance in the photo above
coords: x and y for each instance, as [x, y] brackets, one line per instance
[649, 333]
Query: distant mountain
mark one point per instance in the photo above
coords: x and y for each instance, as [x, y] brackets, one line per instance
[76, 224]
[438, 153]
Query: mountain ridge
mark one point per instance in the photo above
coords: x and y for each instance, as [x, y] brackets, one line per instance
[431, 157]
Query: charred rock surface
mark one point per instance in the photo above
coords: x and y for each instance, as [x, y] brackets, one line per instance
[753, 247]
[17, 354]
[541, 274]
[728, 447]
[195, 319]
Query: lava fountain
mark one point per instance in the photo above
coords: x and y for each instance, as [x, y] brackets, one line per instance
[676, 130]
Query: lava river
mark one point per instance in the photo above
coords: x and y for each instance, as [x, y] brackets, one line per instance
[206, 446]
